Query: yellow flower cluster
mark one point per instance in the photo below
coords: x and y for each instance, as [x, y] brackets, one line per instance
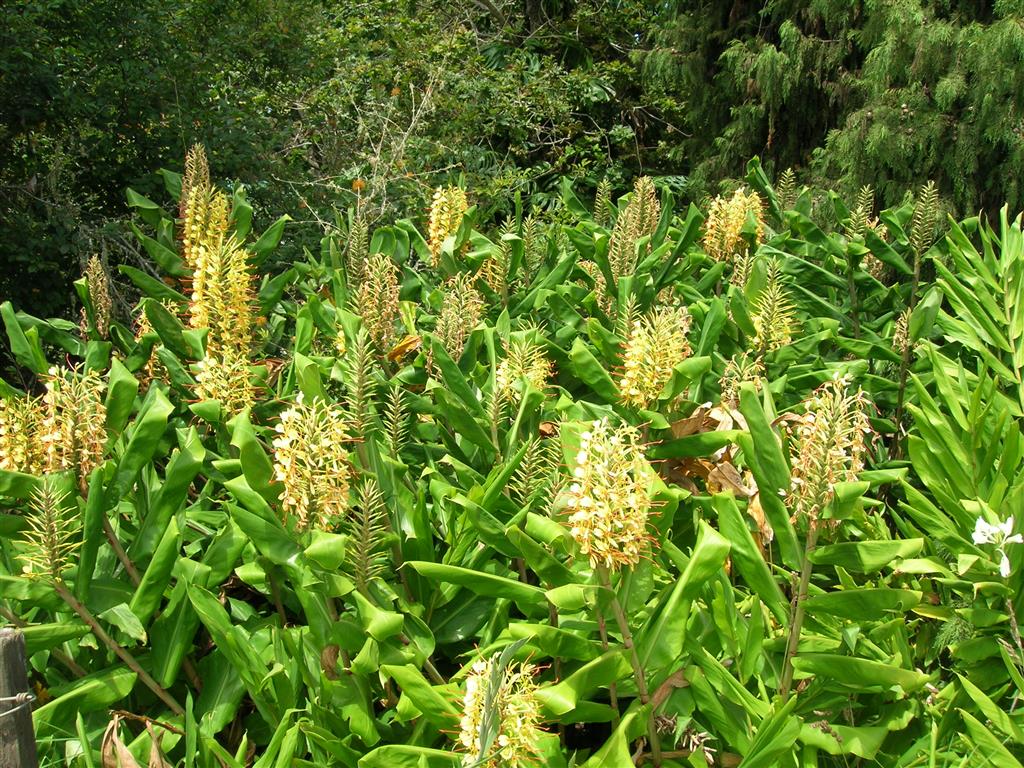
[153, 369]
[656, 344]
[516, 710]
[494, 269]
[376, 300]
[312, 463]
[772, 312]
[223, 297]
[20, 420]
[901, 333]
[462, 307]
[639, 219]
[739, 370]
[723, 238]
[608, 498]
[524, 359]
[828, 447]
[72, 431]
[99, 295]
[446, 211]
[604, 300]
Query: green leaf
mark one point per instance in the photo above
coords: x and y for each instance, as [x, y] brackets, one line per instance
[554, 641]
[43, 637]
[182, 469]
[867, 556]
[165, 258]
[150, 286]
[24, 346]
[747, 557]
[149, 594]
[563, 697]
[591, 372]
[260, 524]
[407, 756]
[436, 707]
[150, 212]
[860, 674]
[771, 471]
[268, 241]
[122, 387]
[480, 583]
[661, 642]
[774, 738]
[122, 617]
[863, 603]
[146, 432]
[94, 693]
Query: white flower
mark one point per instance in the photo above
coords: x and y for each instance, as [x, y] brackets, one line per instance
[1004, 566]
[1000, 535]
[986, 533]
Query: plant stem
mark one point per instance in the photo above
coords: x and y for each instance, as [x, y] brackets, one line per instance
[797, 621]
[613, 694]
[895, 449]
[851, 287]
[634, 660]
[129, 566]
[107, 640]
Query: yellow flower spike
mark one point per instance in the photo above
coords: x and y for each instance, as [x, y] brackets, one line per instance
[446, 211]
[772, 312]
[312, 463]
[655, 345]
[828, 446]
[223, 296]
[225, 377]
[608, 500]
[901, 333]
[524, 359]
[739, 370]
[639, 219]
[73, 431]
[52, 535]
[462, 307]
[515, 708]
[99, 294]
[376, 301]
[723, 229]
[20, 421]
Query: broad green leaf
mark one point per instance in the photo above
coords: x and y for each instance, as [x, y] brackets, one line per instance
[867, 556]
[435, 706]
[863, 603]
[480, 582]
[747, 557]
[860, 673]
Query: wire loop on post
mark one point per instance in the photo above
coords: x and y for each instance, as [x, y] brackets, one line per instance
[19, 701]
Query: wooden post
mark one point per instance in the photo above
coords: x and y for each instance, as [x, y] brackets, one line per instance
[17, 738]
